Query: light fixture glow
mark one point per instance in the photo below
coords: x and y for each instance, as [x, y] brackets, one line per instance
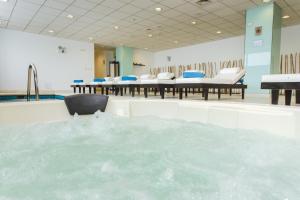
[70, 16]
[176, 42]
[4, 1]
[266, 1]
[51, 31]
[150, 35]
[285, 17]
[116, 27]
[146, 48]
[158, 9]
[219, 32]
[193, 22]
[91, 38]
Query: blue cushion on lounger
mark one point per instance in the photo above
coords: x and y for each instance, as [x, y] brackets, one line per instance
[99, 80]
[193, 74]
[78, 81]
[129, 78]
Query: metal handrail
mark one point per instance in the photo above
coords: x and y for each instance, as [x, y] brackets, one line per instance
[31, 69]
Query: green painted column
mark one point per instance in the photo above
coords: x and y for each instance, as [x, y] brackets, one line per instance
[262, 44]
[125, 56]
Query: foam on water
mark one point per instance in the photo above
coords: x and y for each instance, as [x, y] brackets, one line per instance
[112, 158]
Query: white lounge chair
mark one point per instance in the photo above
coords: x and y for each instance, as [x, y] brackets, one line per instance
[127, 81]
[227, 78]
[78, 84]
[287, 82]
[163, 80]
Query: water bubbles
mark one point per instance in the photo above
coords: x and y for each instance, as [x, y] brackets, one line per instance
[107, 157]
[108, 167]
[76, 116]
[169, 174]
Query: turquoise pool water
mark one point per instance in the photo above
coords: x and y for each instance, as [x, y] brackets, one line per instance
[17, 98]
[113, 158]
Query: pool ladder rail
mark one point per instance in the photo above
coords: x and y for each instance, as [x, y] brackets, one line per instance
[32, 69]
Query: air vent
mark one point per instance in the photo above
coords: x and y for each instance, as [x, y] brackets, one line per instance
[202, 2]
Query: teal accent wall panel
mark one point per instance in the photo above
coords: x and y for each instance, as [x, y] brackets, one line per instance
[262, 44]
[125, 56]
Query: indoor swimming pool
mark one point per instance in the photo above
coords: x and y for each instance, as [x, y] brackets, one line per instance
[20, 98]
[104, 156]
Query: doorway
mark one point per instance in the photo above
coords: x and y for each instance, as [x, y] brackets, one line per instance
[103, 55]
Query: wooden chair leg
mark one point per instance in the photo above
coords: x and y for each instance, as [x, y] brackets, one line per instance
[275, 97]
[288, 97]
[243, 93]
[219, 93]
[162, 92]
[139, 90]
[146, 92]
[74, 90]
[180, 93]
[186, 92]
[297, 96]
[205, 91]
[132, 91]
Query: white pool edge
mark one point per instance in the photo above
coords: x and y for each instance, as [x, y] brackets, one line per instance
[280, 120]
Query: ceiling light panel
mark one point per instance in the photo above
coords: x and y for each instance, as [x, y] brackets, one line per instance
[173, 23]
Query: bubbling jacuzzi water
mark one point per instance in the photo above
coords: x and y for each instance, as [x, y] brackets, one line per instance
[113, 158]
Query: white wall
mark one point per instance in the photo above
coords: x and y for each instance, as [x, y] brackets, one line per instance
[222, 50]
[143, 57]
[55, 70]
[290, 39]
[232, 48]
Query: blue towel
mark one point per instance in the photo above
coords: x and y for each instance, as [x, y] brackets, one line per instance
[129, 78]
[241, 81]
[78, 81]
[99, 80]
[188, 74]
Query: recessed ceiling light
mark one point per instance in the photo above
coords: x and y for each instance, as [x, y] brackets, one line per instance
[70, 16]
[193, 22]
[4, 1]
[150, 35]
[51, 31]
[116, 27]
[146, 48]
[202, 2]
[219, 32]
[176, 42]
[158, 9]
[266, 1]
[285, 17]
